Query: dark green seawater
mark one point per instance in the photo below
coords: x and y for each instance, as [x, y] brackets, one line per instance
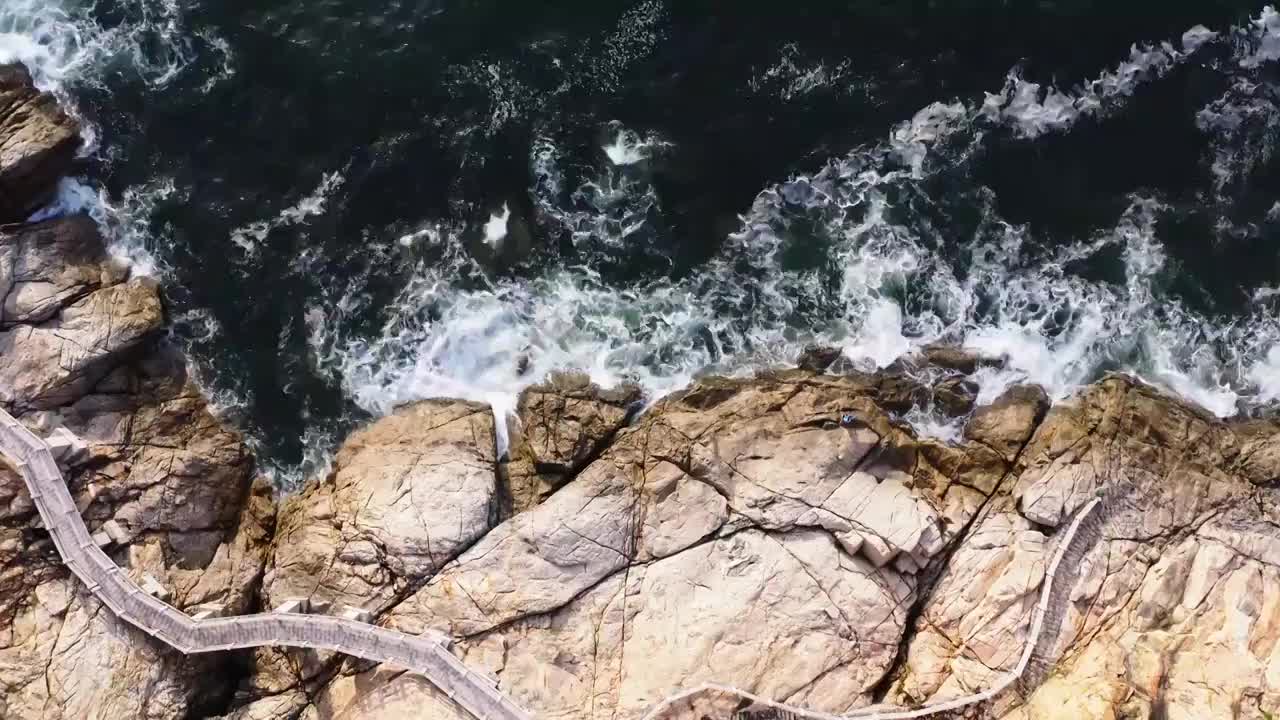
[356, 204]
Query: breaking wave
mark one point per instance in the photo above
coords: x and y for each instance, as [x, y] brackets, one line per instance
[845, 256]
[893, 246]
[71, 51]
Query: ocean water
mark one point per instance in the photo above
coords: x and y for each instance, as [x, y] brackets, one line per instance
[354, 206]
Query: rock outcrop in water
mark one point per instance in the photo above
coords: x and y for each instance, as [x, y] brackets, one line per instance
[786, 534]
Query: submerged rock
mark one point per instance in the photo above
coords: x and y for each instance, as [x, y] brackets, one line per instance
[959, 359]
[818, 358]
[955, 396]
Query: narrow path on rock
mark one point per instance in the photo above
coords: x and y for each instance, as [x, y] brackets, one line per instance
[425, 655]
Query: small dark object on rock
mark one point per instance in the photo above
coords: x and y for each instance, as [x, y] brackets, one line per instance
[848, 420]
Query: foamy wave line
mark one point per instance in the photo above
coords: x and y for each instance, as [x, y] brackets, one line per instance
[248, 236]
[486, 339]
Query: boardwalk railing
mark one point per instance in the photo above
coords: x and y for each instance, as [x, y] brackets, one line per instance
[427, 656]
[1047, 594]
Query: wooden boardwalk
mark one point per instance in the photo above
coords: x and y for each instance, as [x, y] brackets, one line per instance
[32, 458]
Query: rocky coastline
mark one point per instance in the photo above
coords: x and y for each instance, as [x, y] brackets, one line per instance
[785, 534]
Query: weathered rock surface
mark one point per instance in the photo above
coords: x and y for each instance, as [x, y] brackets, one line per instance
[406, 495]
[69, 316]
[558, 427]
[169, 490]
[1174, 611]
[38, 142]
[46, 266]
[177, 491]
[51, 364]
[787, 545]
[738, 532]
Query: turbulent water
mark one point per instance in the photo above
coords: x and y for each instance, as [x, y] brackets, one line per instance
[356, 206]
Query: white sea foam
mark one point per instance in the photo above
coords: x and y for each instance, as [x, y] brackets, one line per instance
[888, 282]
[595, 65]
[795, 76]
[607, 208]
[124, 221]
[248, 237]
[454, 332]
[1265, 39]
[628, 148]
[1265, 374]
[1032, 110]
[496, 229]
[1243, 124]
[65, 47]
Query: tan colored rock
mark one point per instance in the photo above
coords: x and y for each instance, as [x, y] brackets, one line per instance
[1006, 424]
[382, 695]
[54, 363]
[559, 426]
[164, 468]
[38, 142]
[738, 533]
[978, 625]
[785, 616]
[1259, 460]
[158, 477]
[1167, 613]
[46, 266]
[406, 495]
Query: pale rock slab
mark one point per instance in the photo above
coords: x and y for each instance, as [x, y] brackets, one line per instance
[406, 495]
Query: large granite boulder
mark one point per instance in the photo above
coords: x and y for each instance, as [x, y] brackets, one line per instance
[55, 362]
[406, 495]
[47, 266]
[769, 533]
[69, 316]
